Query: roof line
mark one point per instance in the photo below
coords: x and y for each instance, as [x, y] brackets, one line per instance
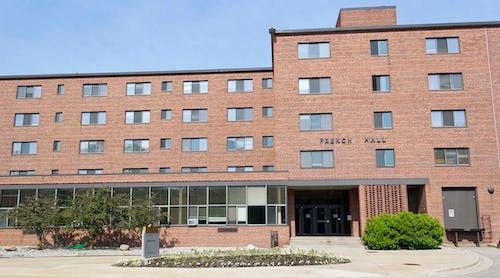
[368, 8]
[387, 28]
[134, 73]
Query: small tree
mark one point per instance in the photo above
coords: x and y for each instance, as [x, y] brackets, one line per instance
[38, 216]
[140, 215]
[95, 213]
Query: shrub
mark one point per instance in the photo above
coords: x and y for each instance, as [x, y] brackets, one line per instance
[404, 230]
[38, 216]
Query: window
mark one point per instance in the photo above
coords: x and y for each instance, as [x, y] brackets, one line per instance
[49, 194]
[316, 121]
[136, 145]
[314, 85]
[140, 195]
[93, 118]
[159, 195]
[27, 119]
[267, 141]
[90, 171]
[60, 89]
[54, 172]
[194, 115]
[276, 205]
[445, 81]
[135, 170]
[240, 168]
[193, 169]
[59, 117]
[22, 172]
[385, 158]
[383, 120]
[137, 117]
[8, 197]
[122, 195]
[267, 83]
[314, 50]
[257, 200]
[166, 86]
[381, 83]
[442, 45]
[239, 143]
[448, 118]
[24, 148]
[195, 87]
[239, 114]
[164, 170]
[165, 143]
[29, 92]
[26, 194]
[138, 89]
[267, 112]
[240, 86]
[379, 48]
[194, 144]
[91, 146]
[316, 159]
[166, 114]
[268, 168]
[451, 156]
[198, 195]
[56, 146]
[95, 90]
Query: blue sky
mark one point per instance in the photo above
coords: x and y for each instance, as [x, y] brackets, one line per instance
[70, 36]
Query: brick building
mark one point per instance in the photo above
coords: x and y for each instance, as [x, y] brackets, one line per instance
[350, 122]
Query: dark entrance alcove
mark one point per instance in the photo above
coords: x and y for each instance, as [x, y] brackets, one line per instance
[322, 212]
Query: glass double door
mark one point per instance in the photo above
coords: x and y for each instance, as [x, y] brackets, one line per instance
[321, 220]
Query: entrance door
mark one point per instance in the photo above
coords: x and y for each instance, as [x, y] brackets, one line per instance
[337, 222]
[320, 220]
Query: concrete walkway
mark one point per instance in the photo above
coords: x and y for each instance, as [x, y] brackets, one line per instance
[446, 262]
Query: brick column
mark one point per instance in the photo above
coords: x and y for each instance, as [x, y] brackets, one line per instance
[291, 211]
[375, 199]
[354, 212]
[362, 208]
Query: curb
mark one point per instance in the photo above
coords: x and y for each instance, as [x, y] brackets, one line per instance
[477, 261]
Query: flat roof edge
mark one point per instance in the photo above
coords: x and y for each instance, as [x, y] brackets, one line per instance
[368, 8]
[134, 73]
[389, 28]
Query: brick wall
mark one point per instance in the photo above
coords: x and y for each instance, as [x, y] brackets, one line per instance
[352, 103]
[179, 236]
[371, 16]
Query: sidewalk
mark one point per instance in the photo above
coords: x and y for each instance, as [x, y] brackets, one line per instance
[446, 262]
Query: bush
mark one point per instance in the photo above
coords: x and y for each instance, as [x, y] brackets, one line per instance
[404, 230]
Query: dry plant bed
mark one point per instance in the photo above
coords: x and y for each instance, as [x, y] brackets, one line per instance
[237, 258]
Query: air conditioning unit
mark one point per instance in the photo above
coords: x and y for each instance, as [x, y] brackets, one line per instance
[192, 222]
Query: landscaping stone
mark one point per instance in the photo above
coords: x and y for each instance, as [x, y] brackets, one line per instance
[124, 247]
[250, 247]
[10, 248]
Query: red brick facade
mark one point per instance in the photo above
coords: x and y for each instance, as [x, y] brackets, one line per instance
[352, 103]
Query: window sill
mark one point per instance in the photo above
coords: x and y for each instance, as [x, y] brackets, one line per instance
[314, 94]
[308, 168]
[446, 127]
[452, 165]
[318, 58]
[446, 90]
[315, 130]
